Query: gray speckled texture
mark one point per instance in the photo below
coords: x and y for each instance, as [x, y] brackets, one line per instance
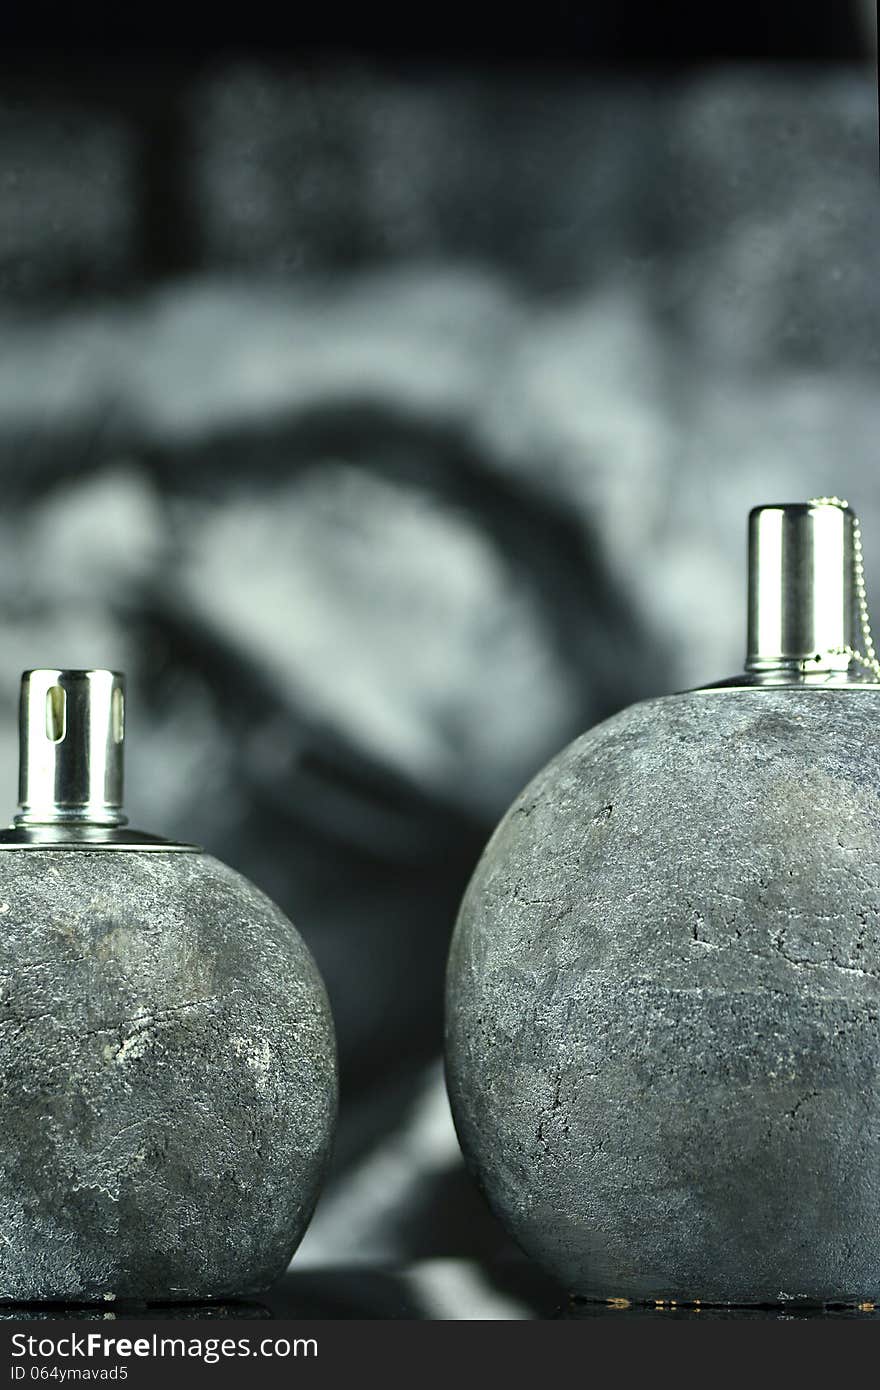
[663, 1012]
[167, 1078]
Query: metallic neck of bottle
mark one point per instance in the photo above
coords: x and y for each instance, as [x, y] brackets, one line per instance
[72, 737]
[806, 608]
[803, 615]
[72, 741]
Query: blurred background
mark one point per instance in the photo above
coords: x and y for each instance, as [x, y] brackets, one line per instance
[388, 405]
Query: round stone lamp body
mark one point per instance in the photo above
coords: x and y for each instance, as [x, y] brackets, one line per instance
[167, 1066]
[663, 1002]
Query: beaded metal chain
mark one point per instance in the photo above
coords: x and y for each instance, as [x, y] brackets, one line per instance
[868, 658]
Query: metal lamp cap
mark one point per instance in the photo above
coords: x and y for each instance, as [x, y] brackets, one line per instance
[72, 733]
[72, 736]
[805, 591]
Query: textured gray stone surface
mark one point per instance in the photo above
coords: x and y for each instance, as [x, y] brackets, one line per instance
[167, 1078]
[664, 1003]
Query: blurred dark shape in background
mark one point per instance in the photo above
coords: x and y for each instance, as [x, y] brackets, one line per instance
[390, 418]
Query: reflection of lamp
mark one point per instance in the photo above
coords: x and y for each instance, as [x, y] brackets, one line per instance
[662, 1030]
[167, 1055]
[186, 1312]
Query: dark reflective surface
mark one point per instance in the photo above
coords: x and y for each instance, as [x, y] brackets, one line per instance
[432, 1289]
[108, 1312]
[576, 1309]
